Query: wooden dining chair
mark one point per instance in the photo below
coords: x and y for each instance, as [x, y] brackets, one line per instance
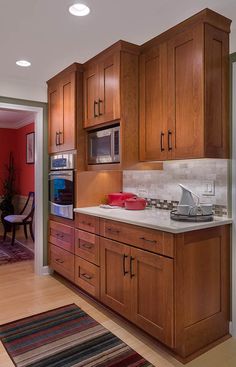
[25, 218]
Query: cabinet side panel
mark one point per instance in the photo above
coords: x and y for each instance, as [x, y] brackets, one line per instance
[202, 288]
[217, 92]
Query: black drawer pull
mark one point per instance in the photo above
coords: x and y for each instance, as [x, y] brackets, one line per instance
[59, 261]
[113, 230]
[86, 223]
[85, 275]
[147, 240]
[87, 245]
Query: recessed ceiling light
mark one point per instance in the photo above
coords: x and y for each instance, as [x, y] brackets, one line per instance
[23, 63]
[79, 10]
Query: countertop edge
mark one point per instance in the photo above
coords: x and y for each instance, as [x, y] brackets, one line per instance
[191, 226]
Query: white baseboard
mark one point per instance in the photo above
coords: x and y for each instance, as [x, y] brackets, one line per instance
[46, 270]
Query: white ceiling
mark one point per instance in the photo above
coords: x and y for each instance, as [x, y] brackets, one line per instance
[14, 119]
[44, 32]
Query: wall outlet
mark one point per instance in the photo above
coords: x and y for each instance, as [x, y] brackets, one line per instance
[208, 188]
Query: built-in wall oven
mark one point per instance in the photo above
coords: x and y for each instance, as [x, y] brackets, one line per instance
[61, 185]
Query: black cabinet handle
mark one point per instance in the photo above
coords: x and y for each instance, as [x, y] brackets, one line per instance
[131, 267]
[99, 108]
[124, 271]
[86, 223]
[169, 140]
[147, 240]
[162, 145]
[95, 103]
[57, 136]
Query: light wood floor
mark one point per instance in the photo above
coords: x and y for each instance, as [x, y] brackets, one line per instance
[22, 293]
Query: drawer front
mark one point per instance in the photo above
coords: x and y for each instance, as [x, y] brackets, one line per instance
[62, 235]
[87, 223]
[62, 262]
[87, 246]
[148, 239]
[87, 276]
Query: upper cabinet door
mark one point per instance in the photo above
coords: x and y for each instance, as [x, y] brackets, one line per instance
[153, 95]
[54, 116]
[109, 91]
[186, 94]
[91, 92]
[102, 90]
[67, 129]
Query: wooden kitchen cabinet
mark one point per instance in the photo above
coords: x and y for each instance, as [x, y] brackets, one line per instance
[63, 90]
[184, 83]
[115, 277]
[101, 90]
[142, 288]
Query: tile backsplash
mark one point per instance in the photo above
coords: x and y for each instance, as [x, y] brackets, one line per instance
[196, 174]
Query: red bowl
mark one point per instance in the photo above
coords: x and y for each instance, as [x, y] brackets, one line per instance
[118, 198]
[135, 203]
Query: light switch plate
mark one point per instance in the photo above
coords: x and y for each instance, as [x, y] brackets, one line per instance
[208, 188]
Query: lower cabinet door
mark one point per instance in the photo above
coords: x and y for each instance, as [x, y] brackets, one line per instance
[62, 262]
[152, 294]
[115, 276]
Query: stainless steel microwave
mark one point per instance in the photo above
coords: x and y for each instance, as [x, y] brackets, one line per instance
[104, 146]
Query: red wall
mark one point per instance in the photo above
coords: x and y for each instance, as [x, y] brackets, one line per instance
[14, 141]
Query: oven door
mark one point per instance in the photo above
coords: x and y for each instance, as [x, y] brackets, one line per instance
[61, 193]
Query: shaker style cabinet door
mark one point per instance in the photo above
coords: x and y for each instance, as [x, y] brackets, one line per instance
[91, 91]
[67, 129]
[54, 116]
[102, 90]
[152, 294]
[62, 113]
[115, 277]
[186, 94]
[153, 96]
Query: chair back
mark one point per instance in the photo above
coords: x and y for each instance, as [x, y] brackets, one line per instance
[29, 206]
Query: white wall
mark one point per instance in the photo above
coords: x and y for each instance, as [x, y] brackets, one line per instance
[22, 89]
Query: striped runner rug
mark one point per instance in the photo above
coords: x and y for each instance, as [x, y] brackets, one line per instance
[66, 337]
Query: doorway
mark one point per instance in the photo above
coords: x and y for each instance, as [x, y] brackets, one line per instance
[39, 110]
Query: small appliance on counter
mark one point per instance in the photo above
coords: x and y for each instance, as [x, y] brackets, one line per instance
[190, 211]
[118, 198]
[135, 203]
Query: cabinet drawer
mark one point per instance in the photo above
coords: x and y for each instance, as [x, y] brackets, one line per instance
[61, 235]
[87, 276]
[87, 223]
[148, 239]
[62, 262]
[87, 246]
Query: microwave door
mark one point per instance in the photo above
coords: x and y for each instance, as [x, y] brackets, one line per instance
[101, 147]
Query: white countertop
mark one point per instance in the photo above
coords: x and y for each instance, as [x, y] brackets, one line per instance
[151, 218]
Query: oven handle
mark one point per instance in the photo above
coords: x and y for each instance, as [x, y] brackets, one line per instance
[60, 174]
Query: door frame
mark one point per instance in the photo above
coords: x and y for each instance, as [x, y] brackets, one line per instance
[233, 189]
[39, 109]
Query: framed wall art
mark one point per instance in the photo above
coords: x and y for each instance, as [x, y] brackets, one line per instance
[30, 148]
